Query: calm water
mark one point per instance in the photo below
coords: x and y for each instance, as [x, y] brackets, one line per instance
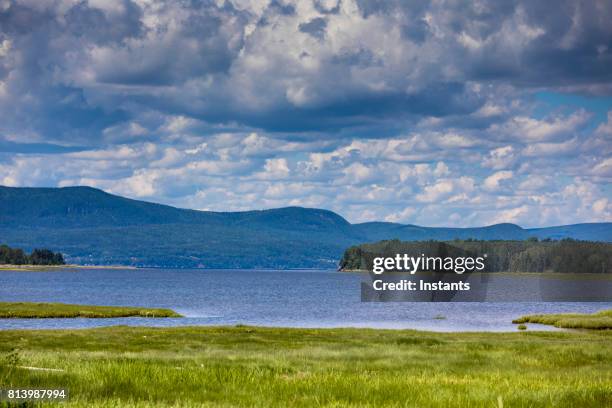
[267, 298]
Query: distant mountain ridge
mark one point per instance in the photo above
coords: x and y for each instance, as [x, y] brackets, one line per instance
[91, 226]
[86, 206]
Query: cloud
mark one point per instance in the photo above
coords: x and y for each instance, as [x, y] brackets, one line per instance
[489, 110]
[513, 215]
[421, 112]
[246, 171]
[306, 65]
[603, 168]
[535, 183]
[605, 129]
[493, 182]
[444, 188]
[529, 129]
[552, 149]
[500, 158]
[401, 216]
[275, 169]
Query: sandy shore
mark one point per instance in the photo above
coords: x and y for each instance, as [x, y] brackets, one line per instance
[46, 268]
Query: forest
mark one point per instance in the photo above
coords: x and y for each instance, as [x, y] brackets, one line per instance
[16, 256]
[531, 255]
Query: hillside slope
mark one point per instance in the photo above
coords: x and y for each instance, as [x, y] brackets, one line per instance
[93, 227]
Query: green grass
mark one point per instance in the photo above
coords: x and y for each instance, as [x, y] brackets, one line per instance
[27, 310]
[597, 321]
[272, 367]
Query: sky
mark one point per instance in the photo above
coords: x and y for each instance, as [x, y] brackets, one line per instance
[441, 113]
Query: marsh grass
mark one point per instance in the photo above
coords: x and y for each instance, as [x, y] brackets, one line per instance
[28, 310]
[271, 367]
[601, 320]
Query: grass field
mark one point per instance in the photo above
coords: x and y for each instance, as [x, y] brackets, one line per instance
[273, 367]
[597, 321]
[28, 310]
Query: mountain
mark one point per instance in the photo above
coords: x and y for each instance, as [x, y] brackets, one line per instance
[383, 230]
[93, 227]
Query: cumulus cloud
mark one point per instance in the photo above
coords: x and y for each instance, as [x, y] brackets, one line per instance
[275, 168]
[401, 216]
[420, 112]
[541, 130]
[535, 183]
[453, 189]
[605, 129]
[552, 149]
[225, 61]
[493, 182]
[500, 158]
[236, 172]
[603, 168]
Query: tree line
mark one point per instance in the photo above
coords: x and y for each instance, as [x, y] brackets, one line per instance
[532, 255]
[17, 256]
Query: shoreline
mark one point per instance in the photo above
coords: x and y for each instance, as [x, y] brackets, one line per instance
[592, 276]
[47, 268]
[533, 328]
[544, 329]
[599, 321]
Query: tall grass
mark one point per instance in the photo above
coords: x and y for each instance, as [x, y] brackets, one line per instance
[26, 310]
[601, 320]
[267, 367]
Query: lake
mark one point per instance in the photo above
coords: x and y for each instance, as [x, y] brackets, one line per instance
[297, 298]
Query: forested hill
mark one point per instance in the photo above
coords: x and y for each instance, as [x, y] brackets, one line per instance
[565, 256]
[78, 207]
[90, 226]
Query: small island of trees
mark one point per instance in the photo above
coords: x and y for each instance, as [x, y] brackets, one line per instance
[17, 256]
